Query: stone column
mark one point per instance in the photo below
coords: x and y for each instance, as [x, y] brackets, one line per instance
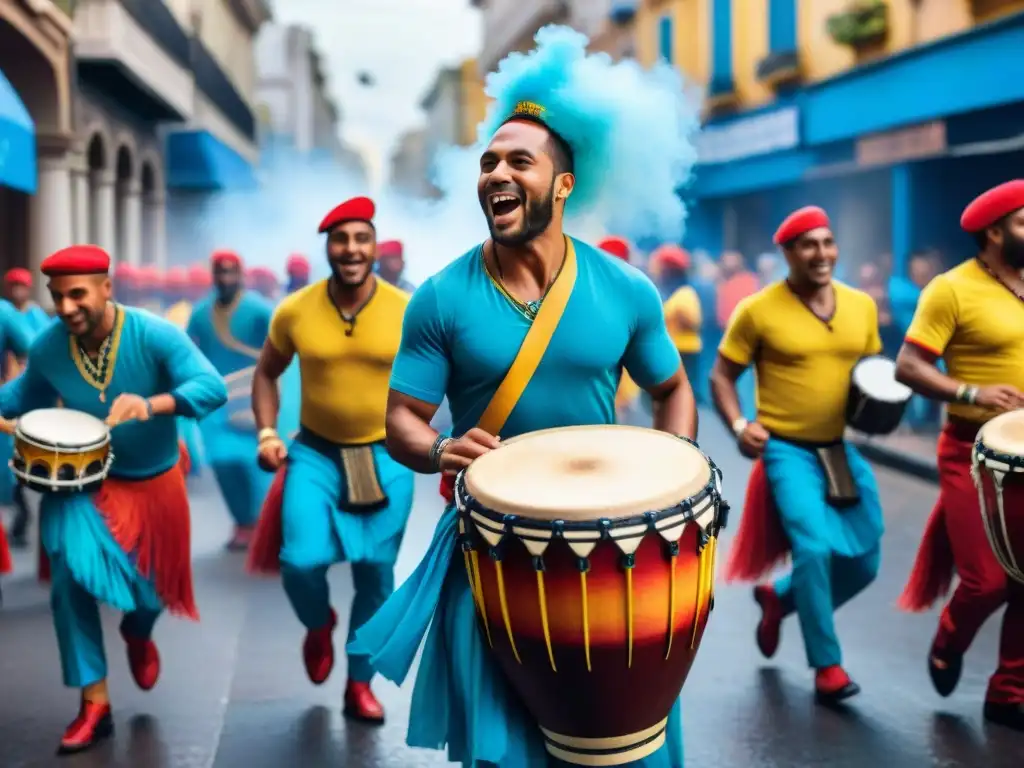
[51, 215]
[131, 222]
[80, 200]
[156, 217]
[103, 232]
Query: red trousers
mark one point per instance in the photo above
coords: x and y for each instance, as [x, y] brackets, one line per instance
[955, 539]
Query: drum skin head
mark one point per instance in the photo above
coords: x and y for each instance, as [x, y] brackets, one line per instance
[876, 377]
[1005, 433]
[62, 427]
[587, 473]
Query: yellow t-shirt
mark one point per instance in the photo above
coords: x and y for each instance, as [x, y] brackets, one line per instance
[803, 364]
[344, 378]
[628, 391]
[977, 326]
[179, 314]
[684, 302]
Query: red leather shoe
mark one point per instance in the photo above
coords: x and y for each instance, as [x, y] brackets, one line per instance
[143, 661]
[93, 724]
[769, 630]
[832, 685]
[362, 705]
[318, 651]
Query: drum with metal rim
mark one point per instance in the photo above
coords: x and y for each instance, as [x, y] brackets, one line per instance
[590, 553]
[238, 409]
[997, 467]
[60, 450]
[877, 401]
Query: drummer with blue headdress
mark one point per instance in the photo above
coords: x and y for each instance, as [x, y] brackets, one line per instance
[127, 544]
[558, 142]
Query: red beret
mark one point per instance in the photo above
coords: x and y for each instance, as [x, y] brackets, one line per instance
[989, 207]
[76, 260]
[176, 277]
[262, 276]
[390, 248]
[297, 266]
[18, 276]
[800, 222]
[616, 246]
[356, 209]
[226, 258]
[199, 275]
[669, 255]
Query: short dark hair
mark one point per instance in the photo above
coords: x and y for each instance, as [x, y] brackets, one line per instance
[558, 148]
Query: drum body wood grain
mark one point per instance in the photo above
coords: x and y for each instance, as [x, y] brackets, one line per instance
[998, 472]
[60, 450]
[594, 614]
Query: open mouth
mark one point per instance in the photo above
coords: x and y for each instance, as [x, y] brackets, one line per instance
[503, 204]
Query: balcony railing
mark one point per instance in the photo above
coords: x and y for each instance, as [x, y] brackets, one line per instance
[214, 83]
[157, 19]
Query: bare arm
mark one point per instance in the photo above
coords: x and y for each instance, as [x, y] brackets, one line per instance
[723, 390]
[266, 400]
[915, 367]
[409, 434]
[675, 408]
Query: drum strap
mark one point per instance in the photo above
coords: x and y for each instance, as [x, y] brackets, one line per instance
[533, 348]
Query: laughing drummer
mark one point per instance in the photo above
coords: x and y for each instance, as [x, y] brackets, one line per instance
[126, 545]
[341, 497]
[229, 327]
[803, 335]
[973, 318]
[463, 329]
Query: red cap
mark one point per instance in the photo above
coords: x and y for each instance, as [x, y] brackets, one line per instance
[390, 248]
[800, 222]
[297, 266]
[125, 271]
[150, 276]
[670, 255]
[18, 276]
[226, 258]
[77, 260]
[356, 209]
[199, 276]
[176, 277]
[989, 207]
[616, 246]
[263, 276]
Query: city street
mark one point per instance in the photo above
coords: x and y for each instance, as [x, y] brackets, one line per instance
[233, 692]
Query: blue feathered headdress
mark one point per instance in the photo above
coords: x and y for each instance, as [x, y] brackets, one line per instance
[630, 129]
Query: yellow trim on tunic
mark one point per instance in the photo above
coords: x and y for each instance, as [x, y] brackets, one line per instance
[115, 345]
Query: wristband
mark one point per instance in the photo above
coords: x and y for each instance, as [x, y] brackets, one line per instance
[738, 426]
[965, 393]
[149, 409]
[437, 449]
[267, 433]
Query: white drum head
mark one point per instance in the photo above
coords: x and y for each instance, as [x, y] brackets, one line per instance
[1004, 433]
[586, 473]
[876, 378]
[62, 427]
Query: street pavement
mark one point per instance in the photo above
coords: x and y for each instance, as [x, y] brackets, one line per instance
[233, 692]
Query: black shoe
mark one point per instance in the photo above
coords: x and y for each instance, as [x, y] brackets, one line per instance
[944, 668]
[1006, 715]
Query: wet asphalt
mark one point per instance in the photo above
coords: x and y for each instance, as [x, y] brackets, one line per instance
[233, 692]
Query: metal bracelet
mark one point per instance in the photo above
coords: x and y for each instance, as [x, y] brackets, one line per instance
[437, 449]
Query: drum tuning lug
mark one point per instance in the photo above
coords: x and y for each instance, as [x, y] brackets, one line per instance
[558, 529]
[605, 525]
[538, 564]
[673, 548]
[652, 520]
[583, 564]
[629, 561]
[723, 513]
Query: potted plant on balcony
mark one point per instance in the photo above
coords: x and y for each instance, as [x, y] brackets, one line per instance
[863, 26]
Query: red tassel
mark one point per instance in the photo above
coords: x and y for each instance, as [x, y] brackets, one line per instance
[150, 518]
[265, 549]
[184, 460]
[761, 542]
[447, 487]
[6, 561]
[932, 573]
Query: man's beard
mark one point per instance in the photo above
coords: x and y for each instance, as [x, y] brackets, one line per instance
[1013, 250]
[536, 220]
[93, 320]
[227, 293]
[344, 282]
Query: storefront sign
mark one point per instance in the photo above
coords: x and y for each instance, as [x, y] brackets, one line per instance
[900, 146]
[750, 136]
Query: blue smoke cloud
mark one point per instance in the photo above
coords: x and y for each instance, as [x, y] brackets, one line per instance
[631, 130]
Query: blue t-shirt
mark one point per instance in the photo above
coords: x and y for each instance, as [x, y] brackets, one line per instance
[461, 335]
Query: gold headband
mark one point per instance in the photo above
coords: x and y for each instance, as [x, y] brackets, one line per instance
[528, 108]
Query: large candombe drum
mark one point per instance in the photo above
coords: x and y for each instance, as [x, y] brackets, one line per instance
[997, 466]
[60, 450]
[590, 552]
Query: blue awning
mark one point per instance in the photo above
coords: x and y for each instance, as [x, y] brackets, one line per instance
[17, 141]
[198, 160]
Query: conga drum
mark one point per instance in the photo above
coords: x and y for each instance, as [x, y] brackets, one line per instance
[877, 401]
[998, 471]
[60, 450]
[590, 553]
[238, 408]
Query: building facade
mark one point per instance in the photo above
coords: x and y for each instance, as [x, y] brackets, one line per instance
[410, 166]
[37, 151]
[889, 113]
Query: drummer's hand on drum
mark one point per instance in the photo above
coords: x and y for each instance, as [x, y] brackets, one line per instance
[129, 408]
[462, 451]
[752, 440]
[272, 453]
[1001, 397]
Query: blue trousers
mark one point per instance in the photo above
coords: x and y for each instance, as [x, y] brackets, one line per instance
[318, 532]
[835, 552]
[76, 618]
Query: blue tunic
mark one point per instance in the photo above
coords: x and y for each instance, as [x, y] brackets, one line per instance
[459, 339]
[16, 332]
[232, 342]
